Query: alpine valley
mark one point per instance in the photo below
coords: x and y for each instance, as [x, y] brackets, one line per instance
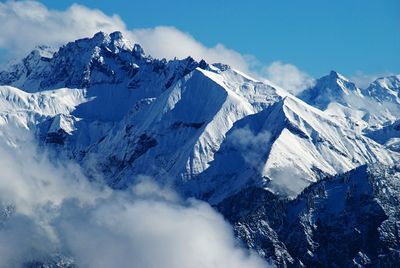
[311, 180]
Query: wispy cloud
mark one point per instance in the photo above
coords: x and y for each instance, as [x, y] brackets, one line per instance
[169, 42]
[287, 180]
[288, 76]
[52, 209]
[252, 146]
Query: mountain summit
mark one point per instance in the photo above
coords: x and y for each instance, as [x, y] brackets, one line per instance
[333, 87]
[367, 108]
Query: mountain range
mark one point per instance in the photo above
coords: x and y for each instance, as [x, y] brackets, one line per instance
[308, 180]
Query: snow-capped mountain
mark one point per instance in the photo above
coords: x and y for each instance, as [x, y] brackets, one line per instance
[141, 116]
[245, 146]
[177, 134]
[285, 148]
[361, 108]
[333, 88]
[111, 74]
[385, 89]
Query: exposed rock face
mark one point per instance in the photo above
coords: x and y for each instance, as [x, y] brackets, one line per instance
[350, 220]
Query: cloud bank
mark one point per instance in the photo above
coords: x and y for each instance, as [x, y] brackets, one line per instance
[50, 212]
[26, 24]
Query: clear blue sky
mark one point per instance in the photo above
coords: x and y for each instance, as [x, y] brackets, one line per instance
[315, 35]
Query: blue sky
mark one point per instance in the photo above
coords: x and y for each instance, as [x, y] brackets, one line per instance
[315, 35]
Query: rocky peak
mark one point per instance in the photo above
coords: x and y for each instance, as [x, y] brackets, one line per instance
[333, 87]
[385, 89]
[138, 51]
[335, 75]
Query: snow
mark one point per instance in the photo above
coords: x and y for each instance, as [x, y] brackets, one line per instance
[189, 121]
[28, 109]
[132, 114]
[62, 122]
[368, 108]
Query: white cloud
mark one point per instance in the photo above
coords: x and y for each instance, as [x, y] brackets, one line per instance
[288, 180]
[26, 24]
[288, 77]
[169, 42]
[55, 210]
[28, 178]
[251, 146]
[151, 233]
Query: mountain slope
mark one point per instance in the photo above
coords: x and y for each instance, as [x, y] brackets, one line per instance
[285, 148]
[341, 221]
[177, 134]
[29, 110]
[108, 66]
[388, 135]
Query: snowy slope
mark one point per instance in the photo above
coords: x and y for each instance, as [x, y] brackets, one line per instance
[285, 148]
[177, 134]
[388, 135]
[108, 66]
[112, 75]
[29, 109]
